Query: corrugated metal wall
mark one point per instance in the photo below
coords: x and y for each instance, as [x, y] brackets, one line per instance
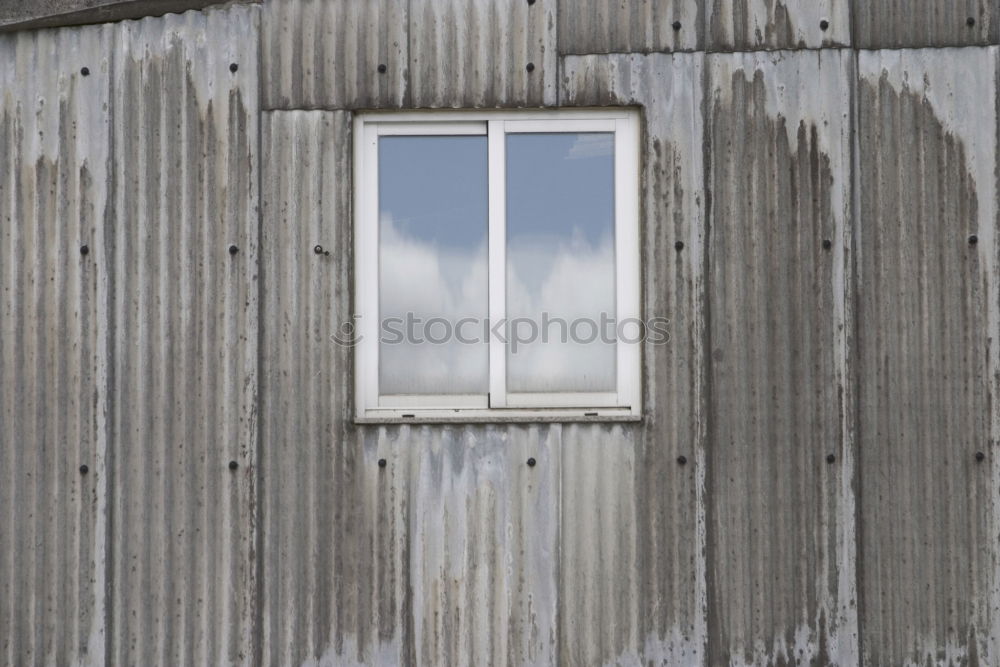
[819, 224]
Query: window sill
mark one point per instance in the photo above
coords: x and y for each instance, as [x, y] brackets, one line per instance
[501, 417]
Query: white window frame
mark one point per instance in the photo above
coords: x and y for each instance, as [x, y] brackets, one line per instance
[498, 405]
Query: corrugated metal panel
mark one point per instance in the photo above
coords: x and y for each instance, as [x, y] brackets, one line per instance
[483, 543]
[328, 53]
[184, 319]
[781, 530]
[747, 25]
[478, 53]
[447, 555]
[613, 26]
[927, 358]
[886, 24]
[632, 573]
[334, 524]
[53, 364]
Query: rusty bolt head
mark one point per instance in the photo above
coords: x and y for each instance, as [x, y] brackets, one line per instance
[382, 69]
[824, 24]
[233, 465]
[682, 460]
[676, 25]
[85, 71]
[980, 457]
[84, 469]
[830, 458]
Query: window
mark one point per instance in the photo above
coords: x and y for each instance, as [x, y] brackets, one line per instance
[497, 264]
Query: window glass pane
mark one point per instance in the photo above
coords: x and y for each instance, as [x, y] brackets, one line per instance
[561, 262]
[433, 216]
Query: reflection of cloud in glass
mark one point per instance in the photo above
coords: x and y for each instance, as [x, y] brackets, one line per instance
[432, 258]
[430, 281]
[560, 255]
[572, 280]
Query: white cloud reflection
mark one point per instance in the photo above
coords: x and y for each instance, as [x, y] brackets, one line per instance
[567, 278]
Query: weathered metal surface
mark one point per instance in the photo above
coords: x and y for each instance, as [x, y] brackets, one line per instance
[328, 53]
[780, 517]
[890, 24]
[448, 554]
[632, 529]
[637, 26]
[483, 542]
[334, 548]
[20, 15]
[184, 341]
[53, 195]
[927, 366]
[482, 53]
[748, 25]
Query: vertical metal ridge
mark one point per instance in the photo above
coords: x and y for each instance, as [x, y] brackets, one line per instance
[476, 53]
[737, 25]
[185, 350]
[780, 213]
[53, 156]
[894, 24]
[927, 365]
[327, 53]
[610, 26]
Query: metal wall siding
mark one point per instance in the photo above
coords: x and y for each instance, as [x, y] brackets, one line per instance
[748, 25]
[890, 24]
[927, 359]
[477, 53]
[327, 53]
[448, 554]
[637, 26]
[483, 542]
[780, 137]
[632, 578]
[335, 535]
[53, 194]
[184, 346]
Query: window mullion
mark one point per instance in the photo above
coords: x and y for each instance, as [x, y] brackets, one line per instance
[497, 261]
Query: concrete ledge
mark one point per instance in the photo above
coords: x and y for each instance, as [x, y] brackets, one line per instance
[25, 14]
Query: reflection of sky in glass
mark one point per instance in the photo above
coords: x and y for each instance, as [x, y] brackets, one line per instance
[560, 256]
[433, 216]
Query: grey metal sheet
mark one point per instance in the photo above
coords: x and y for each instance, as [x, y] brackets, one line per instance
[53, 366]
[892, 24]
[781, 534]
[632, 533]
[927, 368]
[328, 54]
[482, 53]
[334, 551]
[638, 26]
[749, 25]
[448, 554]
[184, 344]
[483, 542]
